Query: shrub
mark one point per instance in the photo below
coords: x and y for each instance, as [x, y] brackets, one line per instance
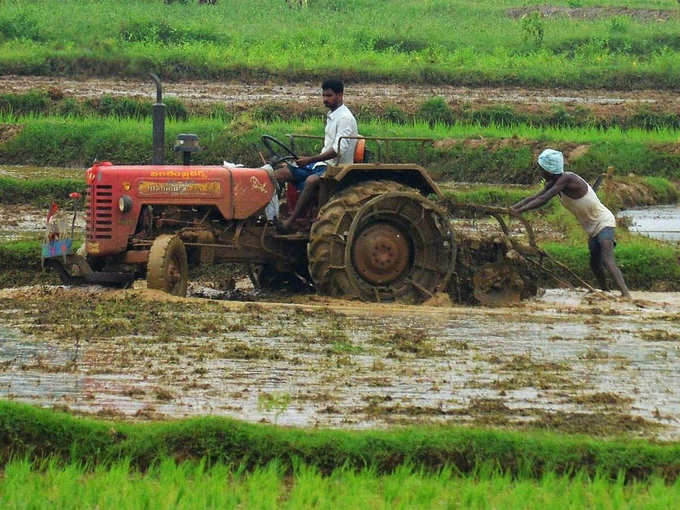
[436, 111]
[32, 102]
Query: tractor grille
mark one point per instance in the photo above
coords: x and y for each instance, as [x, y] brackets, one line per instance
[99, 204]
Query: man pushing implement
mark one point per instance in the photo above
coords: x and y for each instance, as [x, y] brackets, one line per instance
[579, 198]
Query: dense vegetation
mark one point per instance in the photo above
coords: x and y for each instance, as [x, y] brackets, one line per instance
[433, 41]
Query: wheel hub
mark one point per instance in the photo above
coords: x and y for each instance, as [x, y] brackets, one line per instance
[381, 253]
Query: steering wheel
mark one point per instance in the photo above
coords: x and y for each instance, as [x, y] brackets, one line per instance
[272, 145]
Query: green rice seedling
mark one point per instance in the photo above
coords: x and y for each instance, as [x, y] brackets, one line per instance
[45, 434]
[462, 152]
[194, 485]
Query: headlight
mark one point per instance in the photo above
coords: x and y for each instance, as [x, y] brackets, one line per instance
[125, 204]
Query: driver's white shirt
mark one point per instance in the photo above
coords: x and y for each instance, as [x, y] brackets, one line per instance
[340, 122]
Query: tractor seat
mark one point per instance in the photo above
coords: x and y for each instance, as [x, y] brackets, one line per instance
[360, 151]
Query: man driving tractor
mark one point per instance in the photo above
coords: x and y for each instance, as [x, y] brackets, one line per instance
[305, 173]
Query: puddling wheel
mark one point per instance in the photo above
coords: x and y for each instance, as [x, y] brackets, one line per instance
[381, 241]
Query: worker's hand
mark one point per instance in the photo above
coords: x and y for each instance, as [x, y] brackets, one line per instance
[304, 161]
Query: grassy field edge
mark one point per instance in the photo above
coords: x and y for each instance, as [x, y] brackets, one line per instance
[27, 431]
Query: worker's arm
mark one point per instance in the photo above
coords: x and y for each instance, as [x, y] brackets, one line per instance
[530, 198]
[542, 198]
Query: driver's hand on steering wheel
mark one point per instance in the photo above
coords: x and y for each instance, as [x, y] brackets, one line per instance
[303, 161]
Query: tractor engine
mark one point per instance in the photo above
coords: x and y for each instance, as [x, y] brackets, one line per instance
[129, 204]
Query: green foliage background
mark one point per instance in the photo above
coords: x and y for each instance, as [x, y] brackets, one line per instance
[429, 41]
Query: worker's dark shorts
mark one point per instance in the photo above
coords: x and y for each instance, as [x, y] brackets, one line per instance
[602, 235]
[300, 174]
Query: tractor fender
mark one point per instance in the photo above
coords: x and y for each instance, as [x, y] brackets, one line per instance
[414, 176]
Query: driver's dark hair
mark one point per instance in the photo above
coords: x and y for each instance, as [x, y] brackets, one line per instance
[335, 85]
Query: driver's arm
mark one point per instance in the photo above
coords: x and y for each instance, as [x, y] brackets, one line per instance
[307, 160]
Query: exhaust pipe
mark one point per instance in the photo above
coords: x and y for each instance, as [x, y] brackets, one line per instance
[158, 116]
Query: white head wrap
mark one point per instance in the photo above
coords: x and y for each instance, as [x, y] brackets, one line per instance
[551, 161]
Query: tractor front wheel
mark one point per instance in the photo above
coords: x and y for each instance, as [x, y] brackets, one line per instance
[167, 268]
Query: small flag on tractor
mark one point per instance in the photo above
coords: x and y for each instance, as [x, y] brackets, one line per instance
[53, 210]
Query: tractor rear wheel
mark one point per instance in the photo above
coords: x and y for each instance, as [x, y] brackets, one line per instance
[167, 268]
[381, 241]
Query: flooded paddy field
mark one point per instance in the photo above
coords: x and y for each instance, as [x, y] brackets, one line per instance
[567, 361]
[25, 222]
[659, 222]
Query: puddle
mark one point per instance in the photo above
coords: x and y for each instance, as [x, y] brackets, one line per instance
[565, 354]
[659, 222]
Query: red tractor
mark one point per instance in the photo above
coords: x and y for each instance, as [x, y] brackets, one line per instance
[373, 234]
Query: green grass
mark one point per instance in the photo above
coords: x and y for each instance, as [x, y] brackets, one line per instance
[40, 192]
[430, 41]
[39, 434]
[54, 102]
[646, 264]
[193, 485]
[463, 152]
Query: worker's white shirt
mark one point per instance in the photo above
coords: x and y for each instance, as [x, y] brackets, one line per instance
[590, 212]
[340, 122]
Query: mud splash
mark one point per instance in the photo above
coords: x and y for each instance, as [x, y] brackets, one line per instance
[566, 361]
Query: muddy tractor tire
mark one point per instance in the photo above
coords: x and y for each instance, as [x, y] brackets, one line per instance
[168, 267]
[381, 241]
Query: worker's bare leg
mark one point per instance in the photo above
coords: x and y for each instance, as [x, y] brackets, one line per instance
[607, 249]
[311, 186]
[596, 266]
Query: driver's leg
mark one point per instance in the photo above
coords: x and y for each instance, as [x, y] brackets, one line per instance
[311, 186]
[283, 175]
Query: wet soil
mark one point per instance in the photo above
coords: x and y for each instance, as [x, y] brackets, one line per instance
[21, 222]
[567, 361]
[239, 95]
[589, 13]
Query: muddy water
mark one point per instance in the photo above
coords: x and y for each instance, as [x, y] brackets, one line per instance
[658, 222]
[566, 361]
[27, 223]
